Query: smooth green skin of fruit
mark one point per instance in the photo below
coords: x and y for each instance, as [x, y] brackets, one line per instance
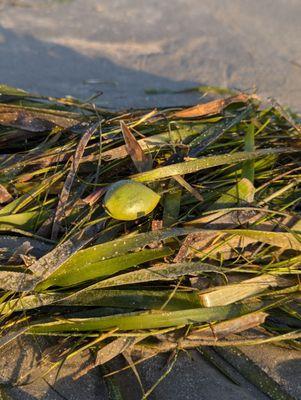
[127, 200]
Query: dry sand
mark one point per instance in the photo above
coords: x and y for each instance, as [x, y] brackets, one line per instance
[123, 47]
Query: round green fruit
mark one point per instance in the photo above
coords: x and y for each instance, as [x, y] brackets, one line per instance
[127, 200]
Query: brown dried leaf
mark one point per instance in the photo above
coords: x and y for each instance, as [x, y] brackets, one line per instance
[5, 196]
[115, 348]
[226, 247]
[108, 352]
[20, 251]
[223, 295]
[142, 161]
[76, 159]
[213, 107]
[157, 224]
[191, 238]
[225, 328]
[34, 120]
[93, 197]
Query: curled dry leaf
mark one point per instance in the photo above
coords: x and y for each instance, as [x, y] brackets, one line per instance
[142, 161]
[213, 107]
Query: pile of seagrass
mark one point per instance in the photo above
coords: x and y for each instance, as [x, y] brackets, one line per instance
[214, 260]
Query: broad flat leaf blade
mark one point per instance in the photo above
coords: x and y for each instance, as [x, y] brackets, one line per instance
[120, 246]
[81, 273]
[149, 320]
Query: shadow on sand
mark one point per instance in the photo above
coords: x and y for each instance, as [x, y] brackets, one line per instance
[56, 70]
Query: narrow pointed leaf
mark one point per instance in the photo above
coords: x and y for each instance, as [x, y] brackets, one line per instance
[189, 167]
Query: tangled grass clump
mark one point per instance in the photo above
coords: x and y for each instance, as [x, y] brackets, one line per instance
[215, 263]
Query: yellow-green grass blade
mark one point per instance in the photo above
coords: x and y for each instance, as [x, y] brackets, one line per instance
[189, 167]
[80, 273]
[145, 320]
[248, 171]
